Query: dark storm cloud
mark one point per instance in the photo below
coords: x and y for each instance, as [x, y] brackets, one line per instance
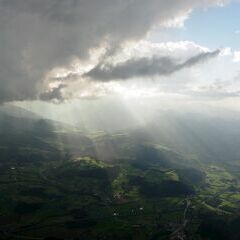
[37, 36]
[53, 94]
[144, 67]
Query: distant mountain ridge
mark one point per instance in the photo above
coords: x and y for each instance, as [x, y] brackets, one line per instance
[18, 112]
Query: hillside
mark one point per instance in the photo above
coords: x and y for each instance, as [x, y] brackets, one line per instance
[68, 185]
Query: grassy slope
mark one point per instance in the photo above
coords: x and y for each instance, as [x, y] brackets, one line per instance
[112, 187]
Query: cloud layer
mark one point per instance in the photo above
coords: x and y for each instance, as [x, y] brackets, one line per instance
[142, 67]
[39, 36]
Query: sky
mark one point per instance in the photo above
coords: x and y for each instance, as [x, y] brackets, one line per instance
[63, 51]
[215, 27]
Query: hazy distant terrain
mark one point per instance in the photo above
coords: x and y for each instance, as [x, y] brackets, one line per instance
[59, 182]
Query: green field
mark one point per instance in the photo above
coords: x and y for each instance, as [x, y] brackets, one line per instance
[146, 191]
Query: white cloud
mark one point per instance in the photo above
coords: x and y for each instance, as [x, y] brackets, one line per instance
[236, 56]
[226, 52]
[177, 22]
[39, 36]
[182, 55]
